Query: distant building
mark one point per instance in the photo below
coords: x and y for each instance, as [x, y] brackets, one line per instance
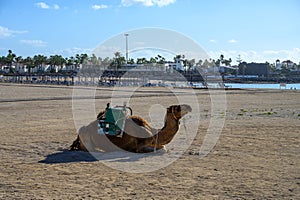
[257, 69]
[278, 64]
[287, 64]
[290, 65]
[178, 64]
[226, 69]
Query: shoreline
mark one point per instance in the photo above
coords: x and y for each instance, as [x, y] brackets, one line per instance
[134, 86]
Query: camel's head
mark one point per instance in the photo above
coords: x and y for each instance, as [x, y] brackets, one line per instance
[178, 111]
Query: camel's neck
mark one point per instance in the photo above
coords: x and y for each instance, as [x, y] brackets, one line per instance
[166, 134]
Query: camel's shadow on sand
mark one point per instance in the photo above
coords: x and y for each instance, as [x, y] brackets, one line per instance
[67, 156]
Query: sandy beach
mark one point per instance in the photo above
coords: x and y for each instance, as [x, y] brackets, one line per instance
[257, 155]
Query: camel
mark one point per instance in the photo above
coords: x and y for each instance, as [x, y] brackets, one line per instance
[138, 136]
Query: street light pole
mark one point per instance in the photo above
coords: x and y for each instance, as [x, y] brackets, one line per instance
[126, 36]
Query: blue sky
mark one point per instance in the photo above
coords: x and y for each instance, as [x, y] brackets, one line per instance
[258, 30]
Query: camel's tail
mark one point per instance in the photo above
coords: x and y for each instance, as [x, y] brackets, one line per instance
[76, 145]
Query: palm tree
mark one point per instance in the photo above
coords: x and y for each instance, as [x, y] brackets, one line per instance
[142, 61]
[152, 60]
[2, 62]
[10, 59]
[18, 60]
[130, 61]
[118, 61]
[200, 62]
[83, 58]
[192, 62]
[94, 60]
[106, 62]
[206, 63]
[70, 62]
[51, 62]
[28, 62]
[221, 58]
[60, 61]
[160, 59]
[56, 61]
[227, 62]
[218, 62]
[139, 61]
[39, 61]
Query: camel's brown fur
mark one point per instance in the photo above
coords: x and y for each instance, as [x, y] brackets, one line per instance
[138, 136]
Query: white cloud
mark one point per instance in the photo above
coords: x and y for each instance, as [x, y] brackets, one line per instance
[36, 43]
[213, 41]
[6, 32]
[271, 52]
[73, 51]
[106, 51]
[232, 41]
[97, 7]
[148, 3]
[162, 3]
[151, 52]
[56, 7]
[42, 5]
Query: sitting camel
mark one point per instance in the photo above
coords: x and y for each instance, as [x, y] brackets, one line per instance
[138, 136]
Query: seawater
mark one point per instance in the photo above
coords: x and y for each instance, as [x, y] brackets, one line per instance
[263, 86]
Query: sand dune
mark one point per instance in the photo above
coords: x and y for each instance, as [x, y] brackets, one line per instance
[255, 157]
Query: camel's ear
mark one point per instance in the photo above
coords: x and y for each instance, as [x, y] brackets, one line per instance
[174, 108]
[178, 108]
[169, 109]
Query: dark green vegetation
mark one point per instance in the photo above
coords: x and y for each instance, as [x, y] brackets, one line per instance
[11, 64]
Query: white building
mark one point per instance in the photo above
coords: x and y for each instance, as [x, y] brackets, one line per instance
[287, 63]
[178, 65]
[278, 64]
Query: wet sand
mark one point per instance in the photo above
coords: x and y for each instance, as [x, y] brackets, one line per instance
[257, 155]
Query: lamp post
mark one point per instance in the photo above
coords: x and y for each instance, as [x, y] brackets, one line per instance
[126, 36]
